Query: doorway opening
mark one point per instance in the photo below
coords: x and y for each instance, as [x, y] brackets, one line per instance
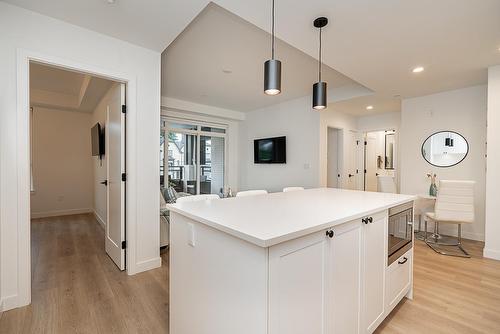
[380, 161]
[334, 157]
[77, 172]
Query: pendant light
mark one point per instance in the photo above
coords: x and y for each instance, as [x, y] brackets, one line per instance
[272, 68]
[319, 88]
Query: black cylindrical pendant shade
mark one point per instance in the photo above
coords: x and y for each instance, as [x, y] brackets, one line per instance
[319, 95]
[272, 77]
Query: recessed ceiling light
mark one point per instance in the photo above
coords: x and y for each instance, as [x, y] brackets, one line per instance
[111, 1]
[418, 69]
[369, 107]
[227, 71]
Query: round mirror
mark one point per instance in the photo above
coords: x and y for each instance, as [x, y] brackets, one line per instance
[445, 149]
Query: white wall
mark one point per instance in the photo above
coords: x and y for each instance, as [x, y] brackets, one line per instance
[28, 33]
[462, 111]
[386, 121]
[492, 239]
[62, 163]
[297, 121]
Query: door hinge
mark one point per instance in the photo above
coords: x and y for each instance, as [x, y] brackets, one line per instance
[124, 244]
[366, 143]
[124, 177]
[365, 171]
[357, 142]
[124, 108]
[357, 171]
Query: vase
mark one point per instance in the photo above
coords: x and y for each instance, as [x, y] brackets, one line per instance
[433, 190]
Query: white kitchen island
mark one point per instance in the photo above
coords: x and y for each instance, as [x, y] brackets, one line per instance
[305, 262]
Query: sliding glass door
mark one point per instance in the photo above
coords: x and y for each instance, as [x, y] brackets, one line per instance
[194, 160]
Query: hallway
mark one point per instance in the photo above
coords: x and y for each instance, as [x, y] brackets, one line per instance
[76, 288]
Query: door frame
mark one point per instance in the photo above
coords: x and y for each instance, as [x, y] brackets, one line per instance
[24, 57]
[340, 155]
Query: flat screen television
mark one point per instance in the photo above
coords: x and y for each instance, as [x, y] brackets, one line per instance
[97, 135]
[270, 150]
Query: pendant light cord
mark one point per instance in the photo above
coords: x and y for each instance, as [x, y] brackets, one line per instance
[272, 29]
[319, 65]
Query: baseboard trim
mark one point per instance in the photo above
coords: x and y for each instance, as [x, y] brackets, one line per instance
[11, 302]
[57, 213]
[146, 265]
[491, 254]
[100, 220]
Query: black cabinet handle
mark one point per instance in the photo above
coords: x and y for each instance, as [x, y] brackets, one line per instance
[105, 182]
[365, 220]
[370, 219]
[330, 233]
[404, 260]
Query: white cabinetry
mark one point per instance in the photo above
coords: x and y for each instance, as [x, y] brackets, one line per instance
[298, 271]
[330, 282]
[374, 267]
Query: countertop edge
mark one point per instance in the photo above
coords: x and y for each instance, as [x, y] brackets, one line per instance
[265, 243]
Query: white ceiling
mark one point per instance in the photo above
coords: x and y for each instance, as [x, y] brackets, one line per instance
[375, 43]
[57, 88]
[195, 65]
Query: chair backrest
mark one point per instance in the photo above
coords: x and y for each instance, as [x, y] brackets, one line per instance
[251, 193]
[287, 189]
[455, 201]
[386, 184]
[196, 198]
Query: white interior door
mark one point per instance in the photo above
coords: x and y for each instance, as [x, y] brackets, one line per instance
[351, 157]
[115, 157]
[333, 158]
[371, 162]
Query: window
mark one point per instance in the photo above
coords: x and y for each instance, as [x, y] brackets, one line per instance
[196, 157]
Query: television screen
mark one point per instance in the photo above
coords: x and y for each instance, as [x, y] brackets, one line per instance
[97, 140]
[270, 150]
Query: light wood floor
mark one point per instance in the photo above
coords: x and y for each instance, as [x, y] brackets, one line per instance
[77, 289]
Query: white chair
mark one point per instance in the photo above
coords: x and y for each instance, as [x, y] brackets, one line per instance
[196, 198]
[287, 189]
[454, 205]
[251, 193]
[386, 184]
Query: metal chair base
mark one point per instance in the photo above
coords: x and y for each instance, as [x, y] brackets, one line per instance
[435, 240]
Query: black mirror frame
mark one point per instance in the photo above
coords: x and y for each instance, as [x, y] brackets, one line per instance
[385, 151]
[465, 156]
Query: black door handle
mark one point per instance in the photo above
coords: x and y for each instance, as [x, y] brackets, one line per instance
[370, 219]
[350, 175]
[365, 220]
[330, 233]
[105, 182]
[404, 260]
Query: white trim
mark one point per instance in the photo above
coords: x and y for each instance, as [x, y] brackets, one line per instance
[23, 160]
[147, 265]
[56, 213]
[100, 220]
[491, 254]
[9, 303]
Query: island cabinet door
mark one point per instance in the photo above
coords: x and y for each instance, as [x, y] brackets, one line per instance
[298, 281]
[345, 277]
[374, 268]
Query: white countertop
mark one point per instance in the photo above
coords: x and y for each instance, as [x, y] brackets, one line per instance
[267, 220]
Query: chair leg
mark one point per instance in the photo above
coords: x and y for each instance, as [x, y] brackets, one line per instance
[434, 245]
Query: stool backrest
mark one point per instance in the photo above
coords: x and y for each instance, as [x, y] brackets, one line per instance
[287, 189]
[455, 201]
[251, 193]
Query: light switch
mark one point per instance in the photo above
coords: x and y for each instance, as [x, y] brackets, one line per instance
[191, 235]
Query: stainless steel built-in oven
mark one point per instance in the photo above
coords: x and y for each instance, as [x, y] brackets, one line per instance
[400, 231]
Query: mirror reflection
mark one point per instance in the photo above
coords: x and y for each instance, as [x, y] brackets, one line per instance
[390, 142]
[445, 149]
